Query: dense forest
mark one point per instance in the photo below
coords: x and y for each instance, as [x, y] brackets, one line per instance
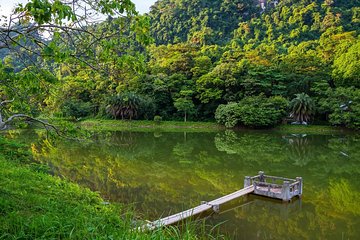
[252, 63]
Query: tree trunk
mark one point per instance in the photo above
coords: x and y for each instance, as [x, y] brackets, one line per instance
[185, 117]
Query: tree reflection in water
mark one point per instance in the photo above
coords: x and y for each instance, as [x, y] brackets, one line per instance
[164, 173]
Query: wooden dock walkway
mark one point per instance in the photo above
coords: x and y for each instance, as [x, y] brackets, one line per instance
[205, 206]
[261, 184]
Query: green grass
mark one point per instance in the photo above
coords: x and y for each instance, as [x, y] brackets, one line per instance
[173, 126]
[140, 125]
[310, 129]
[36, 205]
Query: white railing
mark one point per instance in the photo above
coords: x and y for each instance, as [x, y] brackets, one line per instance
[275, 187]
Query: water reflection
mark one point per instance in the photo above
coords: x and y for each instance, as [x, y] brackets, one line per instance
[164, 173]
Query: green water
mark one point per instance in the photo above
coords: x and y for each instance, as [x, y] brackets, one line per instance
[164, 173]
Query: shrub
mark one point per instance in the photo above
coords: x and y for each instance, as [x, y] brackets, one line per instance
[157, 119]
[342, 107]
[228, 115]
[76, 108]
[254, 111]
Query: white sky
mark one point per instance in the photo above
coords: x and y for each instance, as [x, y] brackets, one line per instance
[6, 6]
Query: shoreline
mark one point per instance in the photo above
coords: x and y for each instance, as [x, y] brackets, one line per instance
[176, 126]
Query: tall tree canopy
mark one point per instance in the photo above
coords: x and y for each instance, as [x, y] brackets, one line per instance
[198, 21]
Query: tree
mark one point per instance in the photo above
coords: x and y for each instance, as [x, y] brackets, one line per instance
[125, 105]
[65, 21]
[302, 108]
[184, 103]
[41, 34]
[4, 122]
[253, 111]
[342, 106]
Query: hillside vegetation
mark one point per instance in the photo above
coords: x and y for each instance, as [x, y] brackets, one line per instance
[186, 58]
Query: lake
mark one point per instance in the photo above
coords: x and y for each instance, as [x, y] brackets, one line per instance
[162, 173]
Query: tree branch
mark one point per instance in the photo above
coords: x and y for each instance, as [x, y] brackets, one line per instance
[10, 119]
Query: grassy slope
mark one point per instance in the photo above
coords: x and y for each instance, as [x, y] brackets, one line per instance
[35, 205]
[173, 126]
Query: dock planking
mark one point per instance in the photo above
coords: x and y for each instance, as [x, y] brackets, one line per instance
[261, 184]
[205, 206]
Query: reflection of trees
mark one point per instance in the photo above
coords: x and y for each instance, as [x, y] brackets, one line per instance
[343, 197]
[149, 171]
[167, 173]
[315, 218]
[251, 147]
[301, 148]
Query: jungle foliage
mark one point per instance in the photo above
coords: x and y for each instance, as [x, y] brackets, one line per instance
[254, 111]
[186, 58]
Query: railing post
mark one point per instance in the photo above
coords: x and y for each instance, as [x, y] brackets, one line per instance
[247, 182]
[285, 191]
[300, 180]
[261, 176]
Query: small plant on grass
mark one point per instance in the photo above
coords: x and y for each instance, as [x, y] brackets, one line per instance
[157, 119]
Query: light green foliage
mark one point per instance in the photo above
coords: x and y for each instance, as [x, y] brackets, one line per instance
[342, 106]
[202, 65]
[209, 87]
[185, 103]
[292, 22]
[171, 59]
[44, 11]
[28, 87]
[256, 111]
[199, 22]
[302, 107]
[157, 119]
[347, 67]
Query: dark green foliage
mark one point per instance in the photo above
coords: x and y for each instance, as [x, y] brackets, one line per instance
[77, 108]
[256, 111]
[342, 106]
[228, 115]
[302, 108]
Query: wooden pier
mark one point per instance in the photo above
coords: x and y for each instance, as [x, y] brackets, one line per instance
[261, 184]
[275, 187]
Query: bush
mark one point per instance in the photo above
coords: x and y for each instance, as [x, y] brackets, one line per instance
[228, 115]
[157, 119]
[76, 108]
[342, 107]
[255, 111]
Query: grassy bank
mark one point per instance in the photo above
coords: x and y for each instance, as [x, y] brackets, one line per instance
[34, 204]
[140, 125]
[173, 126]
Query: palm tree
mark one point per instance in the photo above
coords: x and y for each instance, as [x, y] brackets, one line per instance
[302, 107]
[125, 105]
